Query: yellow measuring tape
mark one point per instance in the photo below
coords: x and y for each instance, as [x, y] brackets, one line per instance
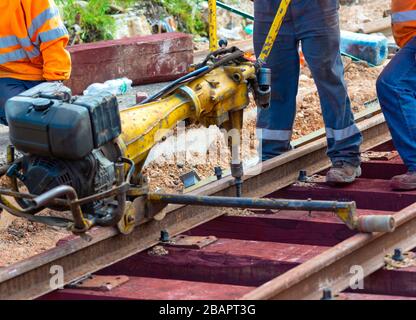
[273, 32]
[213, 37]
[271, 37]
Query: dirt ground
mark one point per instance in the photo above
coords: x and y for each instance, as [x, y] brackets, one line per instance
[21, 239]
[352, 17]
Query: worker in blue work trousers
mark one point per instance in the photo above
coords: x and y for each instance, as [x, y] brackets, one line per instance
[396, 89]
[315, 25]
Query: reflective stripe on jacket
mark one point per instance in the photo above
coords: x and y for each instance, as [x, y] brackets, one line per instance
[32, 41]
[403, 20]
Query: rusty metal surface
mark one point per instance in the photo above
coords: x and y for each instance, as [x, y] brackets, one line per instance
[254, 248]
[190, 242]
[30, 279]
[99, 283]
[332, 269]
[380, 155]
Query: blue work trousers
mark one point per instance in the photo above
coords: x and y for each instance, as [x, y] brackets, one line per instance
[10, 88]
[315, 25]
[396, 89]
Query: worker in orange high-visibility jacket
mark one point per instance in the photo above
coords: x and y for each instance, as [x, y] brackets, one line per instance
[396, 88]
[32, 47]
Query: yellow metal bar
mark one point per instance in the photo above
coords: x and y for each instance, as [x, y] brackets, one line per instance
[145, 125]
[208, 99]
[273, 32]
[213, 37]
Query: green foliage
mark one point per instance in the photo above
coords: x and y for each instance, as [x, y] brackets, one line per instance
[93, 19]
[96, 23]
[187, 13]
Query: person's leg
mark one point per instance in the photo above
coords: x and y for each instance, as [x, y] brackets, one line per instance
[8, 89]
[324, 59]
[396, 89]
[318, 28]
[274, 125]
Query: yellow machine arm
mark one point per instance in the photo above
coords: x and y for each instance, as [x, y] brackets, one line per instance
[212, 99]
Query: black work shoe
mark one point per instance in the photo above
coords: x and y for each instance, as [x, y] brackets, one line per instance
[342, 173]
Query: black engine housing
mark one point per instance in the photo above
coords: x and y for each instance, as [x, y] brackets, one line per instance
[43, 123]
[91, 175]
[45, 173]
[65, 140]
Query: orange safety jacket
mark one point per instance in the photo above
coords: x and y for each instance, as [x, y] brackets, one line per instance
[403, 19]
[32, 41]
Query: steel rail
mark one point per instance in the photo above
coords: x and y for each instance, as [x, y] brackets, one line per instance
[332, 269]
[31, 278]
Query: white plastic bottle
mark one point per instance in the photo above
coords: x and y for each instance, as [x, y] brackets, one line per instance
[116, 86]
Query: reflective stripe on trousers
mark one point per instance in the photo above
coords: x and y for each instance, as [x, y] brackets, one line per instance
[342, 134]
[275, 135]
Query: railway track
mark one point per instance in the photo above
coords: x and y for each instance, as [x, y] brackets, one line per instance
[263, 255]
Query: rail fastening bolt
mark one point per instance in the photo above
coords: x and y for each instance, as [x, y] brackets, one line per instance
[327, 294]
[303, 177]
[164, 236]
[218, 172]
[398, 255]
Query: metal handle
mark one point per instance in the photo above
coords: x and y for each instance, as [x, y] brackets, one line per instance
[45, 198]
[81, 224]
[373, 223]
